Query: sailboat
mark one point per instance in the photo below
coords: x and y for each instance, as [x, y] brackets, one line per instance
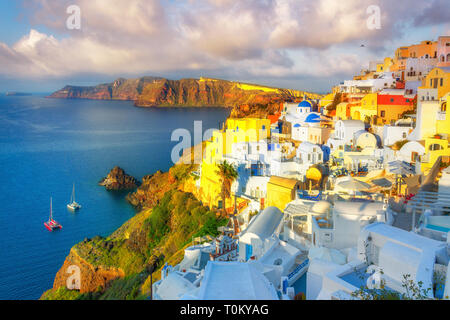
[73, 205]
[52, 224]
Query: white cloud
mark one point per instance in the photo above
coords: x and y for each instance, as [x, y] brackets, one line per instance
[263, 38]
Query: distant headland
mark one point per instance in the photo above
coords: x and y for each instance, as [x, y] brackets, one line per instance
[204, 92]
[18, 94]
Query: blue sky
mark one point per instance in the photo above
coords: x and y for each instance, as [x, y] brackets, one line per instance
[296, 44]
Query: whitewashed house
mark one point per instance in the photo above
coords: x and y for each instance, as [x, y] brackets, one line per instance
[392, 134]
[411, 151]
[309, 154]
[384, 255]
[340, 228]
[261, 234]
[344, 131]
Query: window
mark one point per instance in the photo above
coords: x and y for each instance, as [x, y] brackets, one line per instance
[264, 127]
[442, 82]
[383, 113]
[392, 99]
[435, 147]
[404, 135]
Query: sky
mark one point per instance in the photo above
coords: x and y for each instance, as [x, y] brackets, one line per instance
[297, 44]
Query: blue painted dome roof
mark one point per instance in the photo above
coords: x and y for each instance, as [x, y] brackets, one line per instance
[305, 103]
[312, 118]
[297, 125]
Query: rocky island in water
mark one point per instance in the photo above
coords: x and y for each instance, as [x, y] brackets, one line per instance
[117, 179]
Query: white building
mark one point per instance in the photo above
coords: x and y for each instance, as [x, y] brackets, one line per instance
[392, 134]
[364, 139]
[233, 281]
[340, 228]
[385, 254]
[410, 151]
[344, 131]
[309, 154]
[261, 234]
[385, 80]
[418, 68]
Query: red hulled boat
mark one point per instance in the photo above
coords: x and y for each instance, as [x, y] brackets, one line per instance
[51, 224]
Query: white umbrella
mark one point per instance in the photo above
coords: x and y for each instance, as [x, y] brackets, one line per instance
[327, 254]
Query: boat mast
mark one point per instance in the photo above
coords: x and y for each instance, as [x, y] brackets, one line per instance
[50, 209]
[72, 199]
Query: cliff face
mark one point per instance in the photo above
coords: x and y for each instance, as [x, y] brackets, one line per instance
[153, 91]
[120, 89]
[92, 277]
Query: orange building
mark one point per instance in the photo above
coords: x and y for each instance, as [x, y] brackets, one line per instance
[390, 107]
[425, 49]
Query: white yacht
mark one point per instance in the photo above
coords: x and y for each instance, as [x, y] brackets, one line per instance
[73, 205]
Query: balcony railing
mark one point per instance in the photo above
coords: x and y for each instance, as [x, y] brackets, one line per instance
[440, 115]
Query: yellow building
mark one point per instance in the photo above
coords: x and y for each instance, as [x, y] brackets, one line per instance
[438, 78]
[220, 144]
[434, 148]
[325, 101]
[380, 67]
[368, 106]
[366, 109]
[281, 191]
[249, 129]
[387, 63]
[343, 110]
[443, 118]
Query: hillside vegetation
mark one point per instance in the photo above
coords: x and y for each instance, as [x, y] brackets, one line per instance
[116, 267]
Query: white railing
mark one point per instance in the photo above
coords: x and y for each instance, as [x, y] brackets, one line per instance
[440, 115]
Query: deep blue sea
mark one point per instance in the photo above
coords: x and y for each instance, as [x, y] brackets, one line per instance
[48, 144]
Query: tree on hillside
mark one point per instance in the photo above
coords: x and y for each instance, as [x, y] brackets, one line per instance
[227, 174]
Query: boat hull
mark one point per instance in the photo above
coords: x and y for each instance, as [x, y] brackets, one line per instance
[73, 207]
[52, 225]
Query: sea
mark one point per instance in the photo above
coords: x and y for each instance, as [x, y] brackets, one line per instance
[46, 146]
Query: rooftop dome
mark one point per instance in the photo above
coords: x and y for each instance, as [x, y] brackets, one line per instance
[297, 125]
[305, 103]
[313, 118]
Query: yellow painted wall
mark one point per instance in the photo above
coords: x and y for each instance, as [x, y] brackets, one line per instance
[278, 196]
[443, 126]
[326, 100]
[341, 110]
[380, 67]
[387, 63]
[433, 155]
[433, 80]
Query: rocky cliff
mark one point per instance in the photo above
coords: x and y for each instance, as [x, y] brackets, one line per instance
[120, 89]
[117, 179]
[203, 92]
